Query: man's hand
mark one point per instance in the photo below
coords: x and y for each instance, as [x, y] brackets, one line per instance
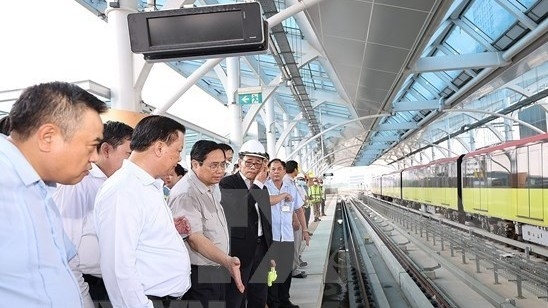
[182, 225]
[263, 173]
[233, 266]
[306, 237]
[287, 196]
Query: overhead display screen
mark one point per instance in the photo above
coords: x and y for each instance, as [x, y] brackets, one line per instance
[199, 32]
[192, 29]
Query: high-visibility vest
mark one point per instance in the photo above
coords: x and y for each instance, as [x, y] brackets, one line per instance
[315, 193]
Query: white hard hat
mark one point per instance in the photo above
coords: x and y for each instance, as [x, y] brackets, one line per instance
[300, 175]
[253, 148]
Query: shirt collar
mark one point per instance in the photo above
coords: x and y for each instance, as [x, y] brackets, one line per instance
[23, 168]
[144, 177]
[96, 172]
[288, 178]
[247, 181]
[203, 188]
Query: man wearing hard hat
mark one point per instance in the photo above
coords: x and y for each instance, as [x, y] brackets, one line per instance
[246, 204]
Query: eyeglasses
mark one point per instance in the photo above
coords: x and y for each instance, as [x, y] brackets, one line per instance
[216, 166]
[250, 164]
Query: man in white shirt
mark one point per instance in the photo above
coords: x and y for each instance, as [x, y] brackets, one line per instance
[76, 202]
[143, 257]
[292, 169]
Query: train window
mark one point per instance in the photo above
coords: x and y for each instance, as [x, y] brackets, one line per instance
[445, 176]
[535, 179]
[500, 170]
[487, 171]
[468, 173]
[452, 176]
[478, 168]
[522, 168]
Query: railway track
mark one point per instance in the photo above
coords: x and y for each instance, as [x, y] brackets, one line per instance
[436, 296]
[486, 251]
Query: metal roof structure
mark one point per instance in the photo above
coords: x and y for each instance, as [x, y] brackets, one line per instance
[363, 77]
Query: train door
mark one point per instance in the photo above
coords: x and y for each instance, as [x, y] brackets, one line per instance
[522, 191]
[502, 198]
[535, 182]
[471, 193]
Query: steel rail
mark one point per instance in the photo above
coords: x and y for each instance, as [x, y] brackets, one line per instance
[433, 293]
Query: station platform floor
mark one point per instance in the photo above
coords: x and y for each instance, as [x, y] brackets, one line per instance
[308, 292]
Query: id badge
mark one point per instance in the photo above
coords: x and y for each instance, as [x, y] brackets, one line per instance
[286, 208]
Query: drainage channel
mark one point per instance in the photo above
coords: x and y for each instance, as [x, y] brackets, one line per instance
[346, 283]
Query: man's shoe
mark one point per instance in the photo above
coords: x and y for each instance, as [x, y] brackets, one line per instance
[289, 305]
[300, 275]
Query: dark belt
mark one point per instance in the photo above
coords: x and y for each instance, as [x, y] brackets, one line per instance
[260, 239]
[164, 298]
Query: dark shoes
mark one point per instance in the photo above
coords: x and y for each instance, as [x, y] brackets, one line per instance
[317, 219]
[302, 263]
[289, 305]
[300, 275]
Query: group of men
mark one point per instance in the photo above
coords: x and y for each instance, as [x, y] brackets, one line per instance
[85, 215]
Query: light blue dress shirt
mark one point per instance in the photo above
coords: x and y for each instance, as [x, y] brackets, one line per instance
[34, 249]
[282, 221]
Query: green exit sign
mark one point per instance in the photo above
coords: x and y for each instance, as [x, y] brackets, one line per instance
[250, 95]
[250, 98]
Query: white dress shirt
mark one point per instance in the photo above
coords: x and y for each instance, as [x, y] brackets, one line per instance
[141, 251]
[75, 203]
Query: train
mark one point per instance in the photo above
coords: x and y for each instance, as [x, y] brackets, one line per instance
[501, 188]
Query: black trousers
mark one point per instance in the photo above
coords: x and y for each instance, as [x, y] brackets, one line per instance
[254, 279]
[208, 286]
[97, 289]
[282, 253]
[307, 214]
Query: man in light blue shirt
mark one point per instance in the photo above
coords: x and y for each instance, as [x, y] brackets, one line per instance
[286, 202]
[55, 129]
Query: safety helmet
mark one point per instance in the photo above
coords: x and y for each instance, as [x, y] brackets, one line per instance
[253, 148]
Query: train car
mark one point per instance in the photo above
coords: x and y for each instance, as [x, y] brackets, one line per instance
[434, 186]
[391, 185]
[501, 188]
[376, 187]
[506, 187]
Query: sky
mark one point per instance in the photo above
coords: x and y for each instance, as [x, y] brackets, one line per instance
[51, 40]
